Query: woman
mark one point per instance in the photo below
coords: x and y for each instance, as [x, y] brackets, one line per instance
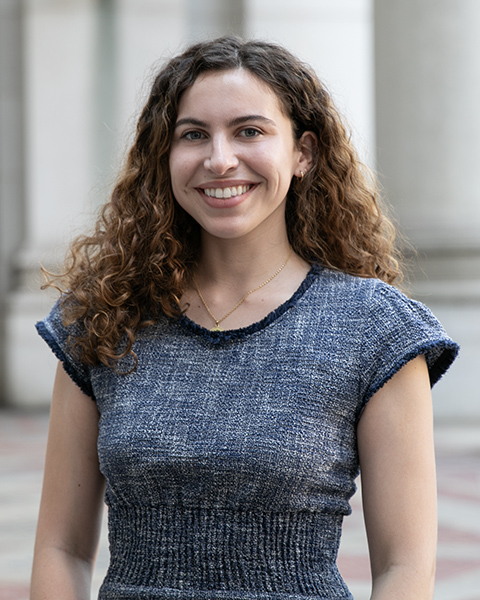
[233, 320]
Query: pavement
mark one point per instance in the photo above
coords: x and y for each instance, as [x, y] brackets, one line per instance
[22, 449]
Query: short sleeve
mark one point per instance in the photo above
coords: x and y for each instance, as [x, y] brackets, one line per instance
[58, 337]
[398, 329]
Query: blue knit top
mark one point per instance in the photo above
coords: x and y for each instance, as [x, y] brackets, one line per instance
[230, 457]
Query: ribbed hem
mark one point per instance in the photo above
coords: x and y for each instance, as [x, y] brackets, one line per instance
[142, 593]
[187, 552]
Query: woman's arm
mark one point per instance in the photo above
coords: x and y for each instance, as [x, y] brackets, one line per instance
[395, 442]
[72, 498]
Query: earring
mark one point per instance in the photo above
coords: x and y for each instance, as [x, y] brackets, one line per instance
[302, 173]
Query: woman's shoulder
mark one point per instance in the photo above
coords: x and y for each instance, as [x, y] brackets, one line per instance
[341, 287]
[373, 304]
[388, 327]
[59, 334]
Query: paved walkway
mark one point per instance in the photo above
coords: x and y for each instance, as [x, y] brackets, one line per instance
[22, 448]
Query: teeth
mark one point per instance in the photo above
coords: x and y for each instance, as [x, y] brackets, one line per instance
[228, 192]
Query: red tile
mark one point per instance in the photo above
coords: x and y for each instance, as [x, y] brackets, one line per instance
[14, 591]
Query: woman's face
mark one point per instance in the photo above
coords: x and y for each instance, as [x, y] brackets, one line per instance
[233, 155]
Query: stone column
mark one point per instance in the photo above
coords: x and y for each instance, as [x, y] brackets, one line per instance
[428, 125]
[11, 158]
[336, 38]
[57, 58]
[148, 32]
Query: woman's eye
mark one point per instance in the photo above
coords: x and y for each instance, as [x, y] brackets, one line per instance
[250, 132]
[192, 135]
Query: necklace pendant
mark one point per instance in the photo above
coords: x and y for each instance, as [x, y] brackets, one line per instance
[216, 328]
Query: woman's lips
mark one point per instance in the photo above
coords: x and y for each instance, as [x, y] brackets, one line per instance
[226, 197]
[226, 192]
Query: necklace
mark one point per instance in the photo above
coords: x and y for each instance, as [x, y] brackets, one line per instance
[218, 321]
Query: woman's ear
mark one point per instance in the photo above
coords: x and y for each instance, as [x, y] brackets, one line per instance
[307, 146]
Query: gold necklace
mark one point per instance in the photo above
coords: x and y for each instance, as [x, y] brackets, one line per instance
[218, 321]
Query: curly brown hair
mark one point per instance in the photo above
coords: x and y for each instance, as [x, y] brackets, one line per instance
[140, 258]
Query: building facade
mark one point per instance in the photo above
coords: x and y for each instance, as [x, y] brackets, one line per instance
[74, 73]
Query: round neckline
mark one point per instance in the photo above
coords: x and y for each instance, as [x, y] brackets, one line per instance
[216, 337]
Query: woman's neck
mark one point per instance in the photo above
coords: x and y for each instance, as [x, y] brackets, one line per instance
[252, 279]
[240, 264]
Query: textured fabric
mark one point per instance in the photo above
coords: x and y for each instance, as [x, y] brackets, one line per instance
[230, 457]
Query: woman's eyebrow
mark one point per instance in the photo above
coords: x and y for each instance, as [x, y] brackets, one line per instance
[232, 123]
[190, 121]
[246, 118]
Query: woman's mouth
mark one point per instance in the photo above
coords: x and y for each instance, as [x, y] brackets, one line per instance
[227, 192]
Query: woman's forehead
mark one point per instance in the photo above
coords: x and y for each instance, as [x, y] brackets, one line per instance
[238, 89]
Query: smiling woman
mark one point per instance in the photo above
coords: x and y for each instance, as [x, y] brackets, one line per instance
[234, 321]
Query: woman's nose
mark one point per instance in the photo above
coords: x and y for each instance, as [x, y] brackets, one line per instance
[222, 157]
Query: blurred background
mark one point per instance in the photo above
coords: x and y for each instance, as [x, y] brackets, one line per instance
[74, 74]
[73, 77]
